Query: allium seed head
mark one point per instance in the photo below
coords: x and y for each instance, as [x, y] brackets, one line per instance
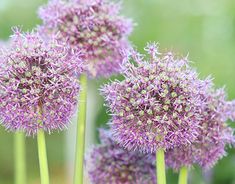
[212, 139]
[95, 27]
[158, 104]
[38, 89]
[109, 163]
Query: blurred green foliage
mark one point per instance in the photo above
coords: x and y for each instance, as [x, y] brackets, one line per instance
[204, 29]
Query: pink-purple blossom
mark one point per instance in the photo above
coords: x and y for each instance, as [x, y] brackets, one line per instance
[213, 137]
[110, 163]
[94, 27]
[38, 88]
[158, 104]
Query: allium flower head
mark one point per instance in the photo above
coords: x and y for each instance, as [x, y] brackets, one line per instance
[38, 89]
[158, 104]
[95, 27]
[213, 137]
[109, 163]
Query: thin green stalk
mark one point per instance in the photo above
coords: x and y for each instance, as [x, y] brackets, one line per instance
[81, 126]
[42, 155]
[160, 163]
[20, 163]
[183, 175]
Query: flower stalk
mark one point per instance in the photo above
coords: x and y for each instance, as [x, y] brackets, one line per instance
[160, 170]
[42, 157]
[183, 175]
[20, 162]
[81, 126]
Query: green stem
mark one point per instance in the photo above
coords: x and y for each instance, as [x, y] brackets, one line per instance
[160, 170]
[20, 163]
[183, 175]
[42, 155]
[81, 126]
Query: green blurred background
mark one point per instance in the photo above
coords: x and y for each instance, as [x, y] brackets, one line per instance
[204, 29]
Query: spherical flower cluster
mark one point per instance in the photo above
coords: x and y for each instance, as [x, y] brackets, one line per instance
[95, 27]
[213, 137]
[109, 163]
[158, 104]
[38, 88]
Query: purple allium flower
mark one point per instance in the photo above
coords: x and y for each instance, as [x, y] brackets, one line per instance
[95, 27]
[38, 89]
[213, 137]
[158, 104]
[109, 163]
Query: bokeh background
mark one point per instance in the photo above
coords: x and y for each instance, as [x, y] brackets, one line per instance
[204, 29]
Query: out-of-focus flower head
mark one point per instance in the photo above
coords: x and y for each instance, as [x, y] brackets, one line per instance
[94, 27]
[158, 104]
[38, 88]
[213, 137]
[109, 163]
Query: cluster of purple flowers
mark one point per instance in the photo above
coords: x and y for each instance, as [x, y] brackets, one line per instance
[95, 27]
[214, 135]
[110, 163]
[39, 70]
[38, 87]
[160, 104]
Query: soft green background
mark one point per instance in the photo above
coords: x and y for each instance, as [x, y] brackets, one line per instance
[204, 29]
